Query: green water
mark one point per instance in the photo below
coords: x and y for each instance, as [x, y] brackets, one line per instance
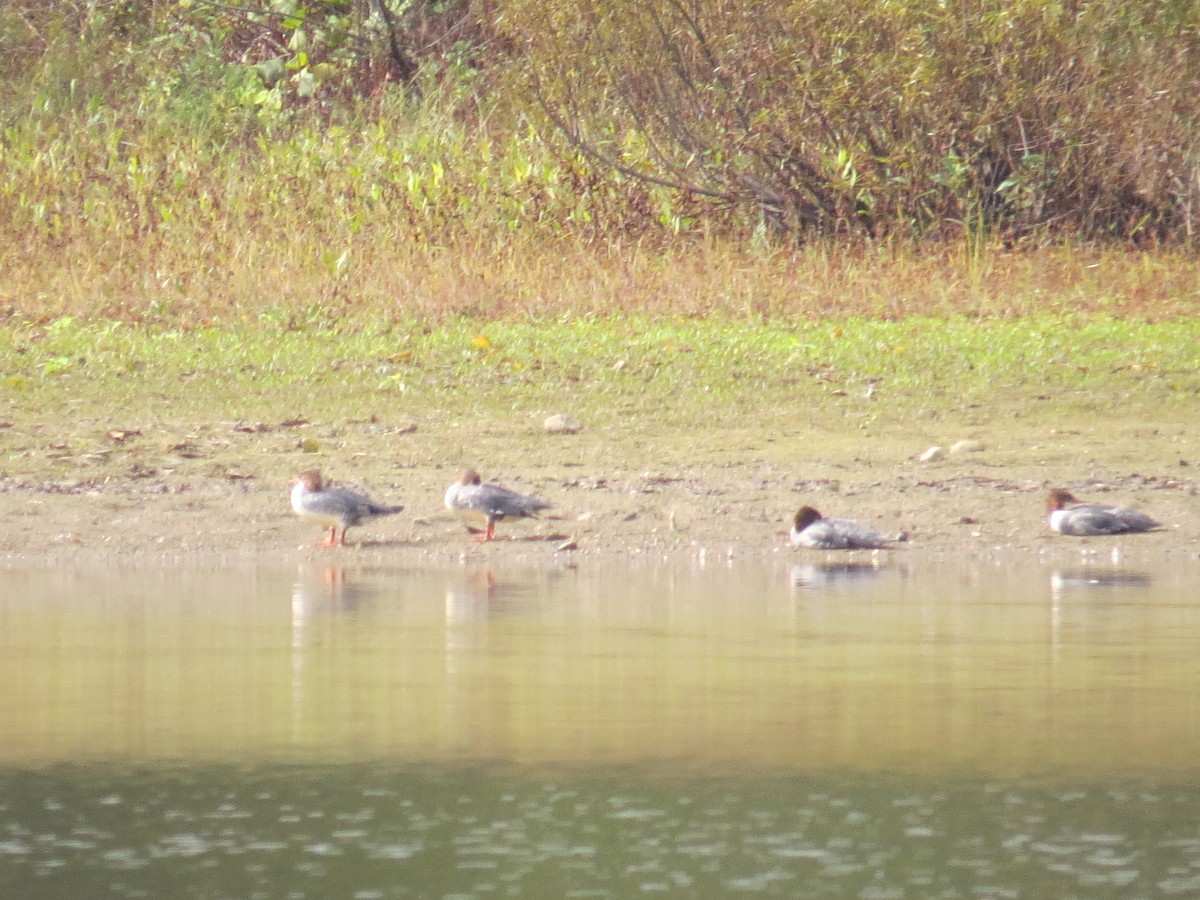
[924, 728]
[363, 831]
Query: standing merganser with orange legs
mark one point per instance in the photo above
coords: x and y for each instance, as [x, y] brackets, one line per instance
[1094, 518]
[333, 508]
[811, 529]
[483, 505]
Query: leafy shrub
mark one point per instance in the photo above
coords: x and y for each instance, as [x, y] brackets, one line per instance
[156, 155]
[862, 117]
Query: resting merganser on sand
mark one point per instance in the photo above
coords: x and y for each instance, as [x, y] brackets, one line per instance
[334, 509]
[1094, 518]
[811, 529]
[483, 505]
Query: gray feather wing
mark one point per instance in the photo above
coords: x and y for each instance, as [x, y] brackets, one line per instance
[382, 509]
[499, 502]
[1084, 520]
[1135, 519]
[351, 508]
[840, 534]
[844, 534]
[1094, 518]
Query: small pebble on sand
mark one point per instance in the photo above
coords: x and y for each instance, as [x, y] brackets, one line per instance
[561, 423]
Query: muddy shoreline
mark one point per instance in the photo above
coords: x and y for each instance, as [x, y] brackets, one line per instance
[726, 507]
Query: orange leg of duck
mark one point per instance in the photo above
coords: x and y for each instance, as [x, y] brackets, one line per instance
[488, 535]
[331, 538]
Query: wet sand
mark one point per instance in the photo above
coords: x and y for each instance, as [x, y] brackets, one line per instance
[720, 492]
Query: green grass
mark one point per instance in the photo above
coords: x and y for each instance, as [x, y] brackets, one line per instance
[613, 369]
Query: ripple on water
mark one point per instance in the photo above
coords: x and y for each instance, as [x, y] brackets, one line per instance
[873, 838]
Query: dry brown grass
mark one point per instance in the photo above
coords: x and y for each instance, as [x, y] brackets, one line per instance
[232, 278]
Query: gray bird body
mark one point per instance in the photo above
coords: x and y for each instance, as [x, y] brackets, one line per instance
[481, 506]
[1086, 519]
[334, 508]
[811, 529]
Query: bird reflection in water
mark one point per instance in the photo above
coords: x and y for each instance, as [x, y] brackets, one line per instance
[319, 591]
[1062, 580]
[323, 589]
[479, 594]
[843, 577]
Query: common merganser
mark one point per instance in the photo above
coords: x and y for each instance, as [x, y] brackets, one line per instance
[1094, 518]
[811, 529]
[484, 505]
[333, 508]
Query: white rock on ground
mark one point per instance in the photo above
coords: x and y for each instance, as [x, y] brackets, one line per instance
[561, 423]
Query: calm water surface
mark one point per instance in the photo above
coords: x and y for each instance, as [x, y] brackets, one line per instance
[920, 729]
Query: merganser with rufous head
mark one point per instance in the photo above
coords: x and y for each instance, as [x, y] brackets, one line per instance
[333, 508]
[811, 529]
[481, 506]
[1085, 519]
